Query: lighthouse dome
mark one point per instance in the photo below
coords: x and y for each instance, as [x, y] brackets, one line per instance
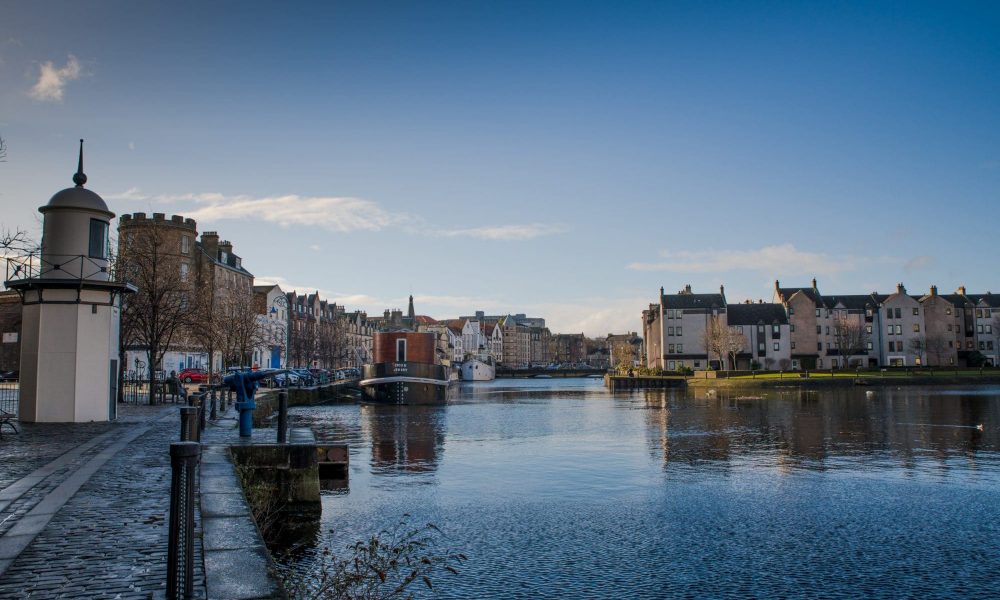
[78, 198]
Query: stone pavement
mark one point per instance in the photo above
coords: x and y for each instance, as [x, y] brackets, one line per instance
[83, 508]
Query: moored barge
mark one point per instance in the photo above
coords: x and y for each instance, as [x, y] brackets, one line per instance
[405, 370]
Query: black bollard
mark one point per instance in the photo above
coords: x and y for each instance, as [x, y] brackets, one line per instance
[215, 412]
[180, 536]
[189, 424]
[201, 412]
[282, 417]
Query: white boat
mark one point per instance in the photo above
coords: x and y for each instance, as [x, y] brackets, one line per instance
[479, 368]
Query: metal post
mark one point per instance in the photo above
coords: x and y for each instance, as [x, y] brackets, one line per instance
[201, 412]
[282, 417]
[189, 424]
[180, 541]
[215, 412]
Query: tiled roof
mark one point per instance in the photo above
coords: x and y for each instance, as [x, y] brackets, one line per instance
[693, 301]
[810, 293]
[856, 302]
[752, 314]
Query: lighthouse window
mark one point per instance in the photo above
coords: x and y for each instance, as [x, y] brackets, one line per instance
[98, 239]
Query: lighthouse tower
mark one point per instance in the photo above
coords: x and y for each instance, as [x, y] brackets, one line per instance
[70, 314]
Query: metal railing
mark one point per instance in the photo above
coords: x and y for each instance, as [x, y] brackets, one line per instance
[135, 388]
[10, 395]
[180, 542]
[68, 266]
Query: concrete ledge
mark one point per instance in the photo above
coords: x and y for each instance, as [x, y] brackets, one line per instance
[237, 563]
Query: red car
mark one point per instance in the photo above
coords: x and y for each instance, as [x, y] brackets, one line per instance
[193, 375]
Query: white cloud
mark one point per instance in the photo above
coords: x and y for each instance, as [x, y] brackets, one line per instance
[785, 259]
[52, 80]
[315, 247]
[917, 263]
[507, 232]
[340, 214]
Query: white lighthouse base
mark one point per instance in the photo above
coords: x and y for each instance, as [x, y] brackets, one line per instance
[66, 359]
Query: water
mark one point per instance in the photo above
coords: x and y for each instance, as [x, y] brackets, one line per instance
[559, 489]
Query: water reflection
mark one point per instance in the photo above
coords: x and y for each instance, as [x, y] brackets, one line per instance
[404, 438]
[800, 429]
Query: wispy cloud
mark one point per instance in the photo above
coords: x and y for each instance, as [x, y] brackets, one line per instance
[783, 258]
[917, 263]
[340, 214]
[52, 80]
[507, 232]
[334, 213]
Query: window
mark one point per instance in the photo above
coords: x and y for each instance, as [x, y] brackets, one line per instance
[776, 346]
[819, 329]
[989, 344]
[98, 239]
[185, 244]
[979, 329]
[791, 328]
[671, 365]
[899, 330]
[817, 312]
[916, 328]
[791, 310]
[775, 330]
[870, 347]
[793, 345]
[989, 329]
[819, 363]
[949, 326]
[670, 331]
[679, 331]
[827, 330]
[184, 271]
[401, 350]
[986, 313]
[760, 330]
[670, 349]
[951, 344]
[760, 348]
[979, 313]
[819, 346]
[868, 312]
[680, 348]
[951, 360]
[868, 329]
[888, 313]
[670, 314]
[982, 345]
[892, 346]
[899, 313]
[916, 311]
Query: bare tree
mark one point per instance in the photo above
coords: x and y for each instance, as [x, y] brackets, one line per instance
[205, 325]
[733, 342]
[331, 343]
[241, 333]
[3, 150]
[159, 310]
[850, 336]
[936, 346]
[714, 339]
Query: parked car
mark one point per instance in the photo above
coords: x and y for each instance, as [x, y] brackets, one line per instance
[280, 379]
[305, 377]
[193, 375]
[9, 375]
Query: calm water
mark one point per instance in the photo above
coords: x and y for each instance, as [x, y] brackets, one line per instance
[559, 489]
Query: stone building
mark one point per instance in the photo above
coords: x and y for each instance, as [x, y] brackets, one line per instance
[10, 330]
[674, 329]
[764, 326]
[568, 348]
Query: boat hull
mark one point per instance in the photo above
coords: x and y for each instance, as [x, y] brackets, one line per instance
[405, 383]
[477, 370]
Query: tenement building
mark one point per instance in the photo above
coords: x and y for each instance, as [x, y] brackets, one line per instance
[804, 329]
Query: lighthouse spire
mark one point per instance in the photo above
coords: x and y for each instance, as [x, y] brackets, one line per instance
[80, 178]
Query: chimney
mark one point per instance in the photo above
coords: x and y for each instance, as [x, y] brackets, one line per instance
[210, 243]
[661, 290]
[722, 290]
[933, 290]
[814, 284]
[900, 289]
[777, 286]
[226, 246]
[961, 290]
[687, 288]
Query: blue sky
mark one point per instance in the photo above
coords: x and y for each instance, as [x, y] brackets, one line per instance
[564, 159]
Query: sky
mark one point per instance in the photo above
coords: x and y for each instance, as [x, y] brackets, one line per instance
[561, 159]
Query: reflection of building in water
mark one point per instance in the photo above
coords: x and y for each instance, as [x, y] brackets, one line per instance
[906, 428]
[406, 437]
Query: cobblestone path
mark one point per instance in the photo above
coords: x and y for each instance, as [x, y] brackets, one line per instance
[109, 539]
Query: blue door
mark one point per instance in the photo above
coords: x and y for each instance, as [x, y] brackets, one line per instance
[275, 357]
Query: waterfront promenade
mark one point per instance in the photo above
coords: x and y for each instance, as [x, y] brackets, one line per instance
[84, 507]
